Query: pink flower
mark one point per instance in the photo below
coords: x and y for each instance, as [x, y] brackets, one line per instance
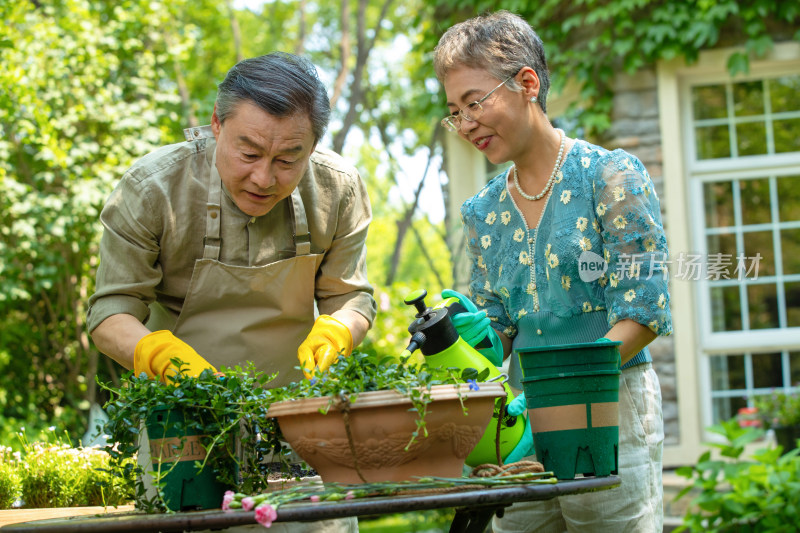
[349, 495]
[247, 503]
[266, 514]
[226, 500]
[315, 498]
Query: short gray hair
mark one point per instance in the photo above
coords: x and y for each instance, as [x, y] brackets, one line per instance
[281, 84]
[500, 43]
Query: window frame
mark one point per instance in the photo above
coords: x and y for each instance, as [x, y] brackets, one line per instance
[698, 173]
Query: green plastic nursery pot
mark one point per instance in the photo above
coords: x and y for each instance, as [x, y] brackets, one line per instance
[787, 437]
[572, 395]
[579, 357]
[174, 449]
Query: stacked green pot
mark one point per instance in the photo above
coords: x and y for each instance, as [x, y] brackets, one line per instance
[572, 394]
[173, 450]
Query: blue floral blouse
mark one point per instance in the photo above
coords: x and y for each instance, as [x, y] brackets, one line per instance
[598, 246]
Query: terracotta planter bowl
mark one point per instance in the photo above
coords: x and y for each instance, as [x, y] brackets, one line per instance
[381, 426]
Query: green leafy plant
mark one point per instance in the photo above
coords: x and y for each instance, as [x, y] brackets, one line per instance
[761, 494]
[53, 473]
[361, 372]
[231, 412]
[778, 409]
[224, 412]
[10, 489]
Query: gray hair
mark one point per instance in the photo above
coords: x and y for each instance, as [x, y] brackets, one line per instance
[281, 84]
[500, 43]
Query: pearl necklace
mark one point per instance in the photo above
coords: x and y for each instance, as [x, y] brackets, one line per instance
[552, 174]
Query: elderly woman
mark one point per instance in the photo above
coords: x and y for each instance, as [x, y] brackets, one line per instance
[563, 204]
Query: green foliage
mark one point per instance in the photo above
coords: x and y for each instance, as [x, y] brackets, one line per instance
[231, 412]
[225, 411]
[10, 489]
[431, 521]
[85, 90]
[389, 334]
[51, 473]
[593, 41]
[430, 269]
[778, 409]
[361, 372]
[737, 494]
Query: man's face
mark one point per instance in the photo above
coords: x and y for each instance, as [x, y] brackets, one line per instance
[261, 157]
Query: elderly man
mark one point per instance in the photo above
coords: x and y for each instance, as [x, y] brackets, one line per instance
[245, 243]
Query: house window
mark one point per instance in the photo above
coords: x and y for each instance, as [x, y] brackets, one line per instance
[747, 118]
[752, 227]
[744, 141]
[736, 378]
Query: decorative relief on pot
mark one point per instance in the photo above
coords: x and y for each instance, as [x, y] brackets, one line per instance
[378, 426]
[390, 450]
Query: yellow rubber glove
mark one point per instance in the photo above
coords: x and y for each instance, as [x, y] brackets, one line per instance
[328, 338]
[154, 351]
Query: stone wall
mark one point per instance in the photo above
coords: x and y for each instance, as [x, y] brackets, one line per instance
[635, 128]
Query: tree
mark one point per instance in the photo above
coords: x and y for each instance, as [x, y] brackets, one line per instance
[86, 88]
[592, 41]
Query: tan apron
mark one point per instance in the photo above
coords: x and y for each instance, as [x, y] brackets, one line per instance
[234, 314]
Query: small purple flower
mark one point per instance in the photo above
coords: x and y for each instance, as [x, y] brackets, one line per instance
[266, 514]
[248, 503]
[473, 385]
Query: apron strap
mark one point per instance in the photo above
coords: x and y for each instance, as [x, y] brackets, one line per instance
[302, 237]
[212, 241]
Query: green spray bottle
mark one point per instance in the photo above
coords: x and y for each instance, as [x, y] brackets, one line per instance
[433, 333]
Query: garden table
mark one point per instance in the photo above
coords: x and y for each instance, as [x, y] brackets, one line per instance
[474, 509]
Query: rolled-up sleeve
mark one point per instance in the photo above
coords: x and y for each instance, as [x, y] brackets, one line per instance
[341, 281]
[129, 270]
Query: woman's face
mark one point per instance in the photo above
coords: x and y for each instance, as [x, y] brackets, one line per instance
[498, 132]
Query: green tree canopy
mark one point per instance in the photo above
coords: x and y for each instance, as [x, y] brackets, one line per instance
[593, 41]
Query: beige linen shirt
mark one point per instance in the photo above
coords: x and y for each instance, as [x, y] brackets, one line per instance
[154, 224]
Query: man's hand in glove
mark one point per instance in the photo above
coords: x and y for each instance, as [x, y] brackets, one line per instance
[155, 350]
[328, 339]
[474, 326]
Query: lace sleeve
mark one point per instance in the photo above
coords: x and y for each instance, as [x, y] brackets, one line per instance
[634, 244]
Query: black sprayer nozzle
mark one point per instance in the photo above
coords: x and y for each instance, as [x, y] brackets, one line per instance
[434, 324]
[417, 339]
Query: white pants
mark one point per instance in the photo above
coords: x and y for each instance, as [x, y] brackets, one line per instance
[636, 506]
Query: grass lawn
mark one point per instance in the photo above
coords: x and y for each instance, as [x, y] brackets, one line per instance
[433, 521]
